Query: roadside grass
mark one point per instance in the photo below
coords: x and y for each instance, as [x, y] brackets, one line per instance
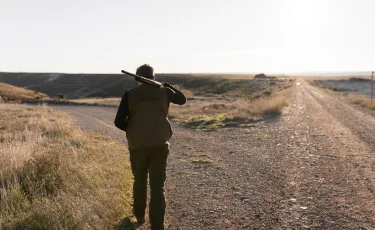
[13, 93]
[353, 98]
[360, 100]
[226, 111]
[112, 101]
[222, 103]
[55, 176]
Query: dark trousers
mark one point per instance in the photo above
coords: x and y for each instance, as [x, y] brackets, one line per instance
[151, 161]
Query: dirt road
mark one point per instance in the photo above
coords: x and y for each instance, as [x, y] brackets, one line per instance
[312, 168]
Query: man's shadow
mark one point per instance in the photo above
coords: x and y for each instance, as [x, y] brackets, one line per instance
[127, 224]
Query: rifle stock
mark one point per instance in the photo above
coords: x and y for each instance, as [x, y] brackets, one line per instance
[143, 79]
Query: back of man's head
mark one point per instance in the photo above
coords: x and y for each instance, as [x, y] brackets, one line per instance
[146, 71]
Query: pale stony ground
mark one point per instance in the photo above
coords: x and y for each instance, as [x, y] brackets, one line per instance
[346, 86]
[314, 167]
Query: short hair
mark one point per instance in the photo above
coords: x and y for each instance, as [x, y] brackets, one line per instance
[146, 71]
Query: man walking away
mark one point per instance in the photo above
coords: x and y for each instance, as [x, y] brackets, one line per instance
[143, 115]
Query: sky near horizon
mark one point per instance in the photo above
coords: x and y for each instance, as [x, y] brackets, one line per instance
[272, 36]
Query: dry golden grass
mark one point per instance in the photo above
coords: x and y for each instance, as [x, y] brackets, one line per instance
[216, 102]
[360, 100]
[350, 97]
[320, 78]
[54, 176]
[13, 93]
[113, 101]
[223, 112]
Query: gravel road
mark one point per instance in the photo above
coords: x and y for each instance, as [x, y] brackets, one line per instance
[312, 168]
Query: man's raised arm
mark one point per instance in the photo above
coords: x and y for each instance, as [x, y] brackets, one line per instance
[174, 95]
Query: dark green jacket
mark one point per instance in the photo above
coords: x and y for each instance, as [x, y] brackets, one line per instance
[143, 115]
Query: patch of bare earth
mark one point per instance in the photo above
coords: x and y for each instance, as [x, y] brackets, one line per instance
[313, 167]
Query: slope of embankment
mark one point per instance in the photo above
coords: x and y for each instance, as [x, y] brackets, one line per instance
[13, 93]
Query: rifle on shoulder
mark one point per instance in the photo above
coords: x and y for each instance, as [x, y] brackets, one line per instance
[143, 79]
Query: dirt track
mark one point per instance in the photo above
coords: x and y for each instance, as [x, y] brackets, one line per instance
[312, 168]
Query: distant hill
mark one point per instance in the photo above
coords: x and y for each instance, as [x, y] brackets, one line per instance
[13, 93]
[79, 85]
[72, 85]
[263, 76]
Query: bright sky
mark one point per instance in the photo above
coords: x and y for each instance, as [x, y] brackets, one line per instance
[82, 36]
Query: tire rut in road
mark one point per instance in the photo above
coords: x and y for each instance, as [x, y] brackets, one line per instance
[360, 122]
[347, 184]
[322, 189]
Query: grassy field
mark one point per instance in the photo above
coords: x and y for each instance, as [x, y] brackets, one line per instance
[220, 103]
[235, 103]
[354, 89]
[13, 93]
[55, 176]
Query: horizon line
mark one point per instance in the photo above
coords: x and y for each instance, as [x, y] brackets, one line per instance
[328, 73]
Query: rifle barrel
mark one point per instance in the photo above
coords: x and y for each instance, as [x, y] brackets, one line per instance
[143, 79]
